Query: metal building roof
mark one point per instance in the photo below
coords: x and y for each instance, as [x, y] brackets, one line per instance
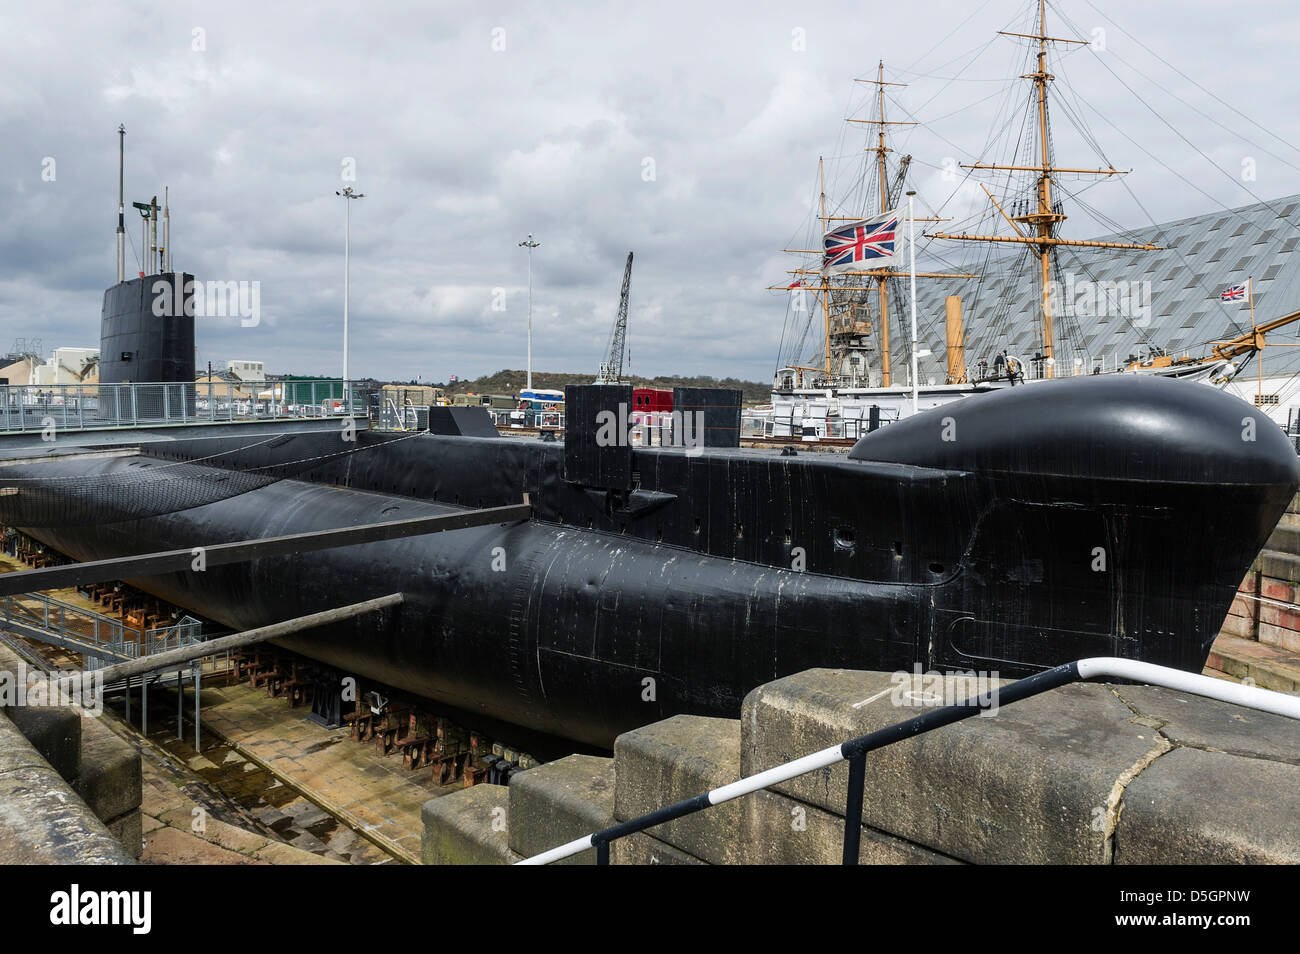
[1201, 256]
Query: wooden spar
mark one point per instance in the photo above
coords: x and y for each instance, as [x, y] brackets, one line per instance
[997, 205]
[1254, 341]
[184, 654]
[1082, 172]
[855, 218]
[1038, 240]
[874, 273]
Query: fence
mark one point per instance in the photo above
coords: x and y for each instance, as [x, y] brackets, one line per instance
[63, 407]
[854, 751]
[101, 639]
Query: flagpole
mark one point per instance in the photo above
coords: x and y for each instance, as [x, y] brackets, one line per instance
[911, 248]
[1259, 351]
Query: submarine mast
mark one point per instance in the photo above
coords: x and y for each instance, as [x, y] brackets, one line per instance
[121, 205]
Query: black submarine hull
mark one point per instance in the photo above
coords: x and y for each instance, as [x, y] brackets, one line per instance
[1005, 533]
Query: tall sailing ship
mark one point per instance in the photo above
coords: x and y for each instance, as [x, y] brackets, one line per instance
[858, 284]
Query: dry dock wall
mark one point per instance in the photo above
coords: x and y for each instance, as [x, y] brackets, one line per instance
[70, 788]
[1087, 774]
[1265, 609]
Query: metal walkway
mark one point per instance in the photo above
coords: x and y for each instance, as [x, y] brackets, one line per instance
[105, 641]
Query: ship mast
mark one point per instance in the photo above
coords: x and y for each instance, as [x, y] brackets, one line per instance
[882, 181]
[1044, 221]
[880, 276]
[825, 291]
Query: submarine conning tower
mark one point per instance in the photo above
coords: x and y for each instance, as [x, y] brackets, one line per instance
[146, 330]
[146, 339]
[146, 327]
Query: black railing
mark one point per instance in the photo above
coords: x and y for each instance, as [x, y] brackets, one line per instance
[854, 751]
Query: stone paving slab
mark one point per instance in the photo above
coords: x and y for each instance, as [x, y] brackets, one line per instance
[372, 793]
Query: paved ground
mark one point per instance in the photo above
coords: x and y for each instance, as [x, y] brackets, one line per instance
[368, 791]
[237, 790]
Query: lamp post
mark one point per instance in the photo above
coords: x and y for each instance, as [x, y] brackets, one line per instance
[347, 193]
[911, 249]
[530, 245]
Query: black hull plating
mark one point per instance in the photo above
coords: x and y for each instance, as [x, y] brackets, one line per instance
[723, 571]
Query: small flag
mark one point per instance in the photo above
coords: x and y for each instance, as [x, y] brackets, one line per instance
[795, 284]
[867, 242]
[1233, 293]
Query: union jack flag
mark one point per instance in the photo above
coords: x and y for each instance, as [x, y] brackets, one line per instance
[1233, 293]
[865, 242]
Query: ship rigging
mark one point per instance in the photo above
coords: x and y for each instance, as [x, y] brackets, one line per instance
[852, 368]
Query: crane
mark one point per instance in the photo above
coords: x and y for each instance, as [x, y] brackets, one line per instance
[612, 371]
[896, 187]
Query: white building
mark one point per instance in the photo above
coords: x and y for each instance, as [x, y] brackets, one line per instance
[67, 366]
[247, 370]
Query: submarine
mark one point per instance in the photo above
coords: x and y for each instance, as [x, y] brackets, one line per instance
[1005, 533]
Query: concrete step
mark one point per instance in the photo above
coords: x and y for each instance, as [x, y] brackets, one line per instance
[558, 802]
[671, 761]
[469, 827]
[1271, 667]
[1280, 566]
[1284, 539]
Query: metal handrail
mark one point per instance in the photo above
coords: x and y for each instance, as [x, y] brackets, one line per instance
[854, 751]
[52, 408]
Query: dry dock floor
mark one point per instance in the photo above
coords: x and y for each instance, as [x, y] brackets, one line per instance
[372, 794]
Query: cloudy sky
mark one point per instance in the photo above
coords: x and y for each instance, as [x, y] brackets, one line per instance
[687, 132]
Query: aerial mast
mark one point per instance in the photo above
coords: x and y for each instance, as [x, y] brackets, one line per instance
[121, 205]
[1044, 220]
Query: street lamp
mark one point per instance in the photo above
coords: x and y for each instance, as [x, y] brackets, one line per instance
[347, 193]
[530, 245]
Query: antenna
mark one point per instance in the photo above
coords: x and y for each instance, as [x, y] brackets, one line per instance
[167, 232]
[153, 235]
[121, 207]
